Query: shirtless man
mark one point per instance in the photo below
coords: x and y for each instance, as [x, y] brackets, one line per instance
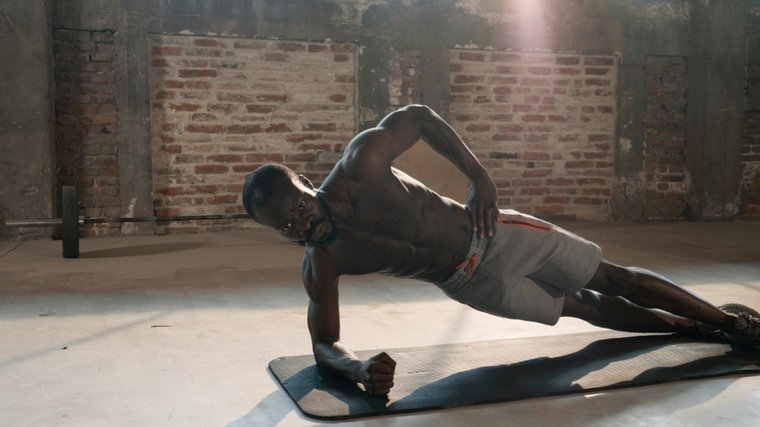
[368, 217]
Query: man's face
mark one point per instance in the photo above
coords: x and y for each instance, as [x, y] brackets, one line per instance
[294, 211]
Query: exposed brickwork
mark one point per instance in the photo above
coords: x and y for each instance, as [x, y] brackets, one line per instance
[222, 106]
[665, 137]
[404, 83]
[542, 124]
[750, 187]
[87, 124]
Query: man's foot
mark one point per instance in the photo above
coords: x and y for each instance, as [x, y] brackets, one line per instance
[746, 326]
[743, 329]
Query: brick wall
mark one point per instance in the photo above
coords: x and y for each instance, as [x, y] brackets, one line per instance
[86, 123]
[223, 106]
[542, 124]
[665, 137]
[750, 186]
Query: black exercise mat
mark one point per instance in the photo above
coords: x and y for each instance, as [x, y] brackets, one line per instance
[456, 375]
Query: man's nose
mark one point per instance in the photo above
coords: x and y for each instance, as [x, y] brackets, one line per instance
[304, 227]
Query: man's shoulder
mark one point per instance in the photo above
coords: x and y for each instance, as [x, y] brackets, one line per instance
[367, 154]
[317, 263]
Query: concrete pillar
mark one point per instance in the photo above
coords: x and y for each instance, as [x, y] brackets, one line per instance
[27, 150]
[716, 103]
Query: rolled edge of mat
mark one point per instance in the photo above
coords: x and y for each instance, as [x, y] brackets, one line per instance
[70, 217]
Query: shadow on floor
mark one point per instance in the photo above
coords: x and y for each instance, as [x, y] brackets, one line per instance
[143, 250]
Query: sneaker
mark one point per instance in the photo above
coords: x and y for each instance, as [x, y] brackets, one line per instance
[746, 326]
[707, 331]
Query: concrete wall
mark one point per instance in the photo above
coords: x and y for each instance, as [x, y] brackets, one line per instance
[27, 160]
[404, 55]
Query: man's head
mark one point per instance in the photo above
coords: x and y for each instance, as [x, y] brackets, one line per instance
[278, 198]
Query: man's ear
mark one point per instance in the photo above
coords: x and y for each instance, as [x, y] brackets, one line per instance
[305, 181]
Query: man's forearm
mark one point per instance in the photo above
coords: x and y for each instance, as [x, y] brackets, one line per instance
[337, 358]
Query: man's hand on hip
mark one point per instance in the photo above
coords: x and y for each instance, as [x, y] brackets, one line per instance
[481, 205]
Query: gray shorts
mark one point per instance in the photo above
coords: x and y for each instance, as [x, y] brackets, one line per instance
[525, 270]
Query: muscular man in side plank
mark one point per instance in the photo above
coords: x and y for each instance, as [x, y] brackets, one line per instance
[369, 217]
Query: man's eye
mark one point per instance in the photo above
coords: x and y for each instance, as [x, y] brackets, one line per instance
[302, 206]
[287, 227]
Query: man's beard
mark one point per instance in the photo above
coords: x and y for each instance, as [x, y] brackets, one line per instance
[330, 237]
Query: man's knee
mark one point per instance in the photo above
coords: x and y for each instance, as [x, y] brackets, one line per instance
[615, 280]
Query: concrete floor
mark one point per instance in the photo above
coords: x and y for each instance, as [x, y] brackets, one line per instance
[178, 330]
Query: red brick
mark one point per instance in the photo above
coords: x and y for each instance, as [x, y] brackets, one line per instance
[506, 137]
[190, 73]
[587, 201]
[598, 61]
[262, 157]
[277, 128]
[198, 128]
[314, 147]
[198, 85]
[249, 44]
[207, 43]
[203, 117]
[272, 98]
[472, 56]
[340, 57]
[566, 71]
[505, 57]
[318, 48]
[561, 182]
[508, 70]
[596, 71]
[184, 107]
[211, 169]
[245, 168]
[536, 173]
[244, 129]
[539, 70]
[220, 107]
[338, 98]
[188, 158]
[464, 78]
[326, 127]
[300, 137]
[597, 82]
[342, 48]
[557, 118]
[221, 199]
[478, 127]
[225, 158]
[567, 60]
[557, 199]
[533, 118]
[261, 109]
[167, 50]
[579, 164]
[234, 97]
[157, 62]
[173, 84]
[290, 46]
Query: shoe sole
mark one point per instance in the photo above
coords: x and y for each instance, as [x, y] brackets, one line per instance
[736, 308]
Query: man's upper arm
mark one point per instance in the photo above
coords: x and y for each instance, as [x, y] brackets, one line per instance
[374, 150]
[321, 285]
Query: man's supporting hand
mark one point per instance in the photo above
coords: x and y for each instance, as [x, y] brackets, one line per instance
[376, 374]
[481, 204]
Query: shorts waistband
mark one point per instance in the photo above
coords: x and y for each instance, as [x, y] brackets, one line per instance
[466, 268]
